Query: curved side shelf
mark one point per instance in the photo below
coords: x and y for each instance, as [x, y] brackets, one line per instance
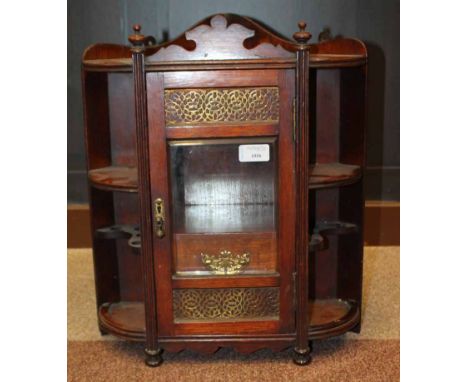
[332, 175]
[114, 178]
[125, 319]
[336, 60]
[332, 317]
[108, 65]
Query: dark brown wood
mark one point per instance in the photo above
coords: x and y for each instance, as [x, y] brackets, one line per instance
[302, 349]
[244, 281]
[319, 61]
[288, 194]
[324, 312]
[164, 157]
[147, 261]
[325, 262]
[124, 319]
[262, 245]
[225, 79]
[115, 178]
[246, 344]
[238, 327]
[106, 269]
[327, 116]
[122, 119]
[332, 317]
[126, 213]
[233, 131]
[223, 37]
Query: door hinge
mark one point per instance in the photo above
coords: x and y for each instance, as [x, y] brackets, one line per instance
[294, 119]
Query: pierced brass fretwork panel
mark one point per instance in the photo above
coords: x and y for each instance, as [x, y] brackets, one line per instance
[230, 105]
[225, 304]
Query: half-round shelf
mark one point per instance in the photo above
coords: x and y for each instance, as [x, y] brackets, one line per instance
[323, 175]
[114, 178]
[108, 65]
[331, 317]
[336, 60]
[125, 319]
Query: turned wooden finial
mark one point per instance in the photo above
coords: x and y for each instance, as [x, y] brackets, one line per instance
[302, 36]
[139, 40]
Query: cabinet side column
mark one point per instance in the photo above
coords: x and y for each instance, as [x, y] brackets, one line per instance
[302, 349]
[152, 350]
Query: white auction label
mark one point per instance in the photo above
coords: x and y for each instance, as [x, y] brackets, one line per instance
[254, 153]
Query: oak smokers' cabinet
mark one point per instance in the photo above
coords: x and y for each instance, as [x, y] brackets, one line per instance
[225, 182]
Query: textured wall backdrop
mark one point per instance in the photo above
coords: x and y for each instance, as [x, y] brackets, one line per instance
[376, 22]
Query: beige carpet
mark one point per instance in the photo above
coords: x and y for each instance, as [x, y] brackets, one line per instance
[372, 355]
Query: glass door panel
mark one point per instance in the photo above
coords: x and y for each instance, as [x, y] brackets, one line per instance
[224, 206]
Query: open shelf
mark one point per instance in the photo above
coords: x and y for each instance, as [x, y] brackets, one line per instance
[115, 178]
[336, 60]
[323, 175]
[331, 317]
[108, 64]
[125, 319]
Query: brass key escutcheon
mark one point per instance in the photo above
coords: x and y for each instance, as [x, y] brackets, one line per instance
[159, 217]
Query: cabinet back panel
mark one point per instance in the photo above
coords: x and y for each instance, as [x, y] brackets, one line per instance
[129, 261]
[122, 119]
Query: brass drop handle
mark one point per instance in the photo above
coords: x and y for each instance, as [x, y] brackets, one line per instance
[159, 217]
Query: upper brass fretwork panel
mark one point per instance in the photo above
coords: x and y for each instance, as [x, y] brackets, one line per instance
[208, 106]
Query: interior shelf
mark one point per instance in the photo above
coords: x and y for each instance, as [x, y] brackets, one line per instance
[323, 175]
[115, 178]
[331, 317]
[125, 319]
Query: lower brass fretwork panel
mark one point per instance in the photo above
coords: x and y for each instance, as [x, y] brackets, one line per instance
[226, 304]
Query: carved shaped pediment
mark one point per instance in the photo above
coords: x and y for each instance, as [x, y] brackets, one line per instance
[221, 40]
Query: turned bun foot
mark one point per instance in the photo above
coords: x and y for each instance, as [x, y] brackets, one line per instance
[153, 357]
[302, 357]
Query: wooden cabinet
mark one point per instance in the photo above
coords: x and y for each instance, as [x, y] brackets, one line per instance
[225, 173]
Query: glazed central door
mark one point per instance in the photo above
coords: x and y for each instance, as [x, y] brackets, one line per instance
[221, 147]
